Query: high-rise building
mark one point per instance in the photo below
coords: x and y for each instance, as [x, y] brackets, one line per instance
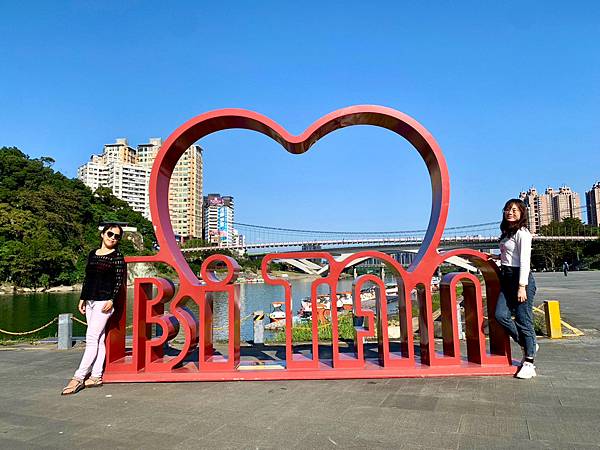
[127, 172]
[185, 188]
[592, 200]
[218, 220]
[146, 153]
[551, 205]
[546, 210]
[185, 194]
[532, 201]
[120, 151]
[566, 203]
[539, 208]
[238, 239]
[116, 169]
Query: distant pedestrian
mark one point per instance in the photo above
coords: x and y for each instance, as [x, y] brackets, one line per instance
[104, 277]
[566, 268]
[517, 286]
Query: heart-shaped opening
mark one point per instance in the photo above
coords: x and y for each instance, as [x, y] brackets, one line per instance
[360, 179]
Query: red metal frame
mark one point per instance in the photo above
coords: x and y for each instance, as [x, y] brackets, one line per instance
[147, 362]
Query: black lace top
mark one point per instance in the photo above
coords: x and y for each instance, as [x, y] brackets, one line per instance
[104, 276]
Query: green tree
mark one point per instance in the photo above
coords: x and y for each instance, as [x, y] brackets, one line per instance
[49, 223]
[550, 255]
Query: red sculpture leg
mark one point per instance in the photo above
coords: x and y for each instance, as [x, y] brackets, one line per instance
[407, 351]
[426, 335]
[147, 310]
[206, 338]
[449, 310]
[209, 361]
[295, 360]
[473, 304]
[499, 343]
[499, 340]
[360, 333]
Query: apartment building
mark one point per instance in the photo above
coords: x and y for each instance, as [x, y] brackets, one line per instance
[552, 205]
[538, 209]
[566, 203]
[238, 239]
[185, 188]
[116, 169]
[218, 220]
[592, 200]
[127, 172]
[185, 194]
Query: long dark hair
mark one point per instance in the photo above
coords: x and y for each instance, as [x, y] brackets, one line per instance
[508, 229]
[108, 226]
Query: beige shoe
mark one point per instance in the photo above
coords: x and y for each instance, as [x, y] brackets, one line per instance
[93, 382]
[73, 388]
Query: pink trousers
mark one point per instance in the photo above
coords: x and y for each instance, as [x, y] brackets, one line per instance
[95, 350]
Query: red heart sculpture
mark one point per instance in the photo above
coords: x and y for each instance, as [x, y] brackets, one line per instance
[223, 119]
[147, 362]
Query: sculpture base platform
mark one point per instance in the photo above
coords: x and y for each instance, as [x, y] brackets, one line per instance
[275, 370]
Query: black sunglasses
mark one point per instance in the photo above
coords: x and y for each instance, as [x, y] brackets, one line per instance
[116, 236]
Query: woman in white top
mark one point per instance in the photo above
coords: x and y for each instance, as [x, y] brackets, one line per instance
[517, 286]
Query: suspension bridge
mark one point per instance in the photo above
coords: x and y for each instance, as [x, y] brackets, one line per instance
[404, 244]
[264, 239]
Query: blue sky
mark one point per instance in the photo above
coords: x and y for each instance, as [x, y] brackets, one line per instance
[511, 91]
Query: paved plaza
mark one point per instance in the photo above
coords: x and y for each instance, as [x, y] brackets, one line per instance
[558, 409]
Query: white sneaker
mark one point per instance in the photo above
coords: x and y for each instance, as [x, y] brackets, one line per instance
[527, 371]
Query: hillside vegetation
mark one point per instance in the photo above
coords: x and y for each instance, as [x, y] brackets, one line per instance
[49, 223]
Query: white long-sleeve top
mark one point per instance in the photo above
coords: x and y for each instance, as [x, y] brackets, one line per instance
[516, 252]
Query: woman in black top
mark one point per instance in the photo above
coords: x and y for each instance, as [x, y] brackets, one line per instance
[104, 277]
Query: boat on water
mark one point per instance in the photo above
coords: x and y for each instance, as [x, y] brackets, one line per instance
[277, 313]
[255, 280]
[276, 317]
[306, 310]
[344, 302]
[243, 279]
[391, 289]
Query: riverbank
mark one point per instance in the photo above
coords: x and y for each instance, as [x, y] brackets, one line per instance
[8, 289]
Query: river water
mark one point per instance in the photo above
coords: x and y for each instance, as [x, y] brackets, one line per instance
[24, 312]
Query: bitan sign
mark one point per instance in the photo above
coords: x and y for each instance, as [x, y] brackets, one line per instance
[156, 302]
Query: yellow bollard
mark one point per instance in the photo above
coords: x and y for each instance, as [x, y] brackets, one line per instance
[553, 325]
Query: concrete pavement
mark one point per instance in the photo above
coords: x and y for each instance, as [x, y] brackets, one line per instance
[578, 293]
[558, 409]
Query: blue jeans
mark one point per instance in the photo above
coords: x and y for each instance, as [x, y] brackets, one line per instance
[521, 327]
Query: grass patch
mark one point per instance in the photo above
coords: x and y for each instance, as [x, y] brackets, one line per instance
[303, 332]
[539, 324]
[435, 300]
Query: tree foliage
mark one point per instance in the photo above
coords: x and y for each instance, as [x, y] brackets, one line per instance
[550, 255]
[49, 223]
